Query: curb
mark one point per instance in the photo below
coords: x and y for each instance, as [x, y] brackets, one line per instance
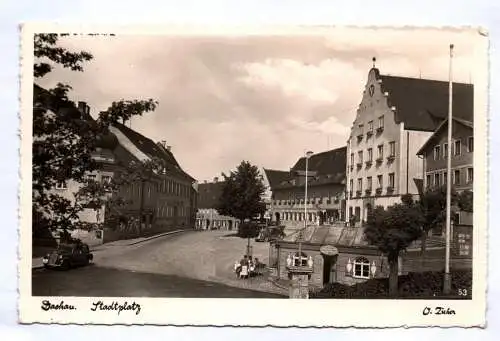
[134, 243]
[156, 236]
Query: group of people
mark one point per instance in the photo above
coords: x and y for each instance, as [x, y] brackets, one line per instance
[247, 267]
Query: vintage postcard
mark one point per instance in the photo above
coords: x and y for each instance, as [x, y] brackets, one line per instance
[253, 176]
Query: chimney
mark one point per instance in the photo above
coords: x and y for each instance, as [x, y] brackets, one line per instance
[169, 148]
[163, 143]
[216, 179]
[82, 107]
[204, 181]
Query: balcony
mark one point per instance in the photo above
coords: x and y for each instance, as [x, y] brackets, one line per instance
[358, 193]
[368, 164]
[379, 160]
[368, 192]
[380, 130]
[378, 191]
[369, 133]
[390, 189]
[391, 158]
[352, 168]
[359, 165]
[360, 137]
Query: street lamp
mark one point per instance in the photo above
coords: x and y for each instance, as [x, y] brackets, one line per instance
[308, 155]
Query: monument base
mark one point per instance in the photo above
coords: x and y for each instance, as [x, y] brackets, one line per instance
[299, 285]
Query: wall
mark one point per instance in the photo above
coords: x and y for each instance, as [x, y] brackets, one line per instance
[413, 163]
[343, 258]
[460, 162]
[370, 109]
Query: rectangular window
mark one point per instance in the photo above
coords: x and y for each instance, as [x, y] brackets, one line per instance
[360, 156]
[370, 126]
[106, 179]
[391, 180]
[392, 149]
[470, 175]
[445, 150]
[61, 184]
[370, 154]
[445, 178]
[380, 151]
[436, 179]
[352, 159]
[428, 179]
[470, 144]
[381, 122]
[369, 183]
[458, 147]
[437, 152]
[351, 185]
[456, 177]
[91, 177]
[360, 184]
[360, 129]
[380, 180]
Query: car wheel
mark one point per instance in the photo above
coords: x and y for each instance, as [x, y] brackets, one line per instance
[66, 265]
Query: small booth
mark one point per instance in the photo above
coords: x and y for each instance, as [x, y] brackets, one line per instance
[330, 254]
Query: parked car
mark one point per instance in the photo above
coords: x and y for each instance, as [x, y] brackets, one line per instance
[270, 233]
[68, 255]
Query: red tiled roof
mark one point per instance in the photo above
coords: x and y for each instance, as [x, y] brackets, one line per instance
[329, 162]
[422, 104]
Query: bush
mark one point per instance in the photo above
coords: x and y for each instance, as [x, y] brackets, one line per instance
[413, 285]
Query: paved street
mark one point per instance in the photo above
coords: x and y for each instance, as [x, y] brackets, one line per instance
[105, 282]
[191, 264]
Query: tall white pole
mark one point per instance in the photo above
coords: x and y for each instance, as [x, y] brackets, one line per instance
[447, 277]
[305, 213]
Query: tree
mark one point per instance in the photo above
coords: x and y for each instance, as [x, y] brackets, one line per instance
[466, 201]
[392, 230]
[64, 138]
[433, 207]
[241, 197]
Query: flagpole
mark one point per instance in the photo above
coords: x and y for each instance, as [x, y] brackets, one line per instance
[447, 276]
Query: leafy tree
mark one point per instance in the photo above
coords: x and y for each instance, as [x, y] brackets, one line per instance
[466, 200]
[241, 197]
[64, 138]
[392, 230]
[433, 207]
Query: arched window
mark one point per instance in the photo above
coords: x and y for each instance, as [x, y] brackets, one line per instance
[299, 261]
[361, 268]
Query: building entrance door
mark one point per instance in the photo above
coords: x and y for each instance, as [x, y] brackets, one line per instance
[329, 269]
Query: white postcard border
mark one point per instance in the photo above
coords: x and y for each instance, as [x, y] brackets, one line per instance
[253, 312]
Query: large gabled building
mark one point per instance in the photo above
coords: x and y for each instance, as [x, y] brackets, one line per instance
[326, 186]
[396, 116]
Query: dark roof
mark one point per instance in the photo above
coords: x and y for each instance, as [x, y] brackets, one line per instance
[438, 131]
[153, 150]
[329, 162]
[276, 177]
[330, 235]
[423, 103]
[209, 194]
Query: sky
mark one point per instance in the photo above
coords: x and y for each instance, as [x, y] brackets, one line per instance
[264, 98]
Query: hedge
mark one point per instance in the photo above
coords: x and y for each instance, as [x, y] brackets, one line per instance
[414, 285]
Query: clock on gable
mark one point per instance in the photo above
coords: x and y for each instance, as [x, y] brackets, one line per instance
[371, 90]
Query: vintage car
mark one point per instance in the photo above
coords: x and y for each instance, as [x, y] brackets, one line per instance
[68, 255]
[270, 233]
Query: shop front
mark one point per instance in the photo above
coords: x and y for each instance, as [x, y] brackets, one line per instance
[337, 254]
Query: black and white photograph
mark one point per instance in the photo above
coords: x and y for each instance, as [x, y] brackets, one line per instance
[299, 167]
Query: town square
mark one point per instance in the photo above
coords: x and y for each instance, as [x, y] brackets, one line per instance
[293, 166]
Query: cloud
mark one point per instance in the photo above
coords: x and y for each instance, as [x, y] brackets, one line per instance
[314, 82]
[265, 99]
